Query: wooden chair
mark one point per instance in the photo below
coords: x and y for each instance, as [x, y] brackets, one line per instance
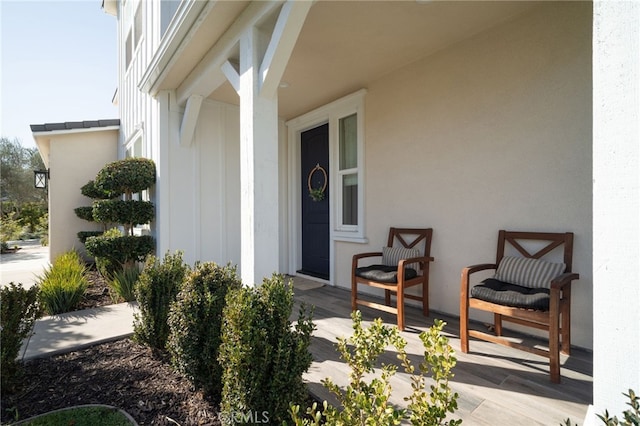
[405, 263]
[526, 290]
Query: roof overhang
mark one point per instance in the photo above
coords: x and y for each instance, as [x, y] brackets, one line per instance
[110, 7]
[44, 133]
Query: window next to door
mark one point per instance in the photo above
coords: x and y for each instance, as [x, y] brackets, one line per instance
[348, 182]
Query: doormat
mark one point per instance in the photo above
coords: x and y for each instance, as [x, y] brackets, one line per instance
[304, 284]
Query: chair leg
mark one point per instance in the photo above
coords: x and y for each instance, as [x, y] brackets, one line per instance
[554, 336]
[425, 297]
[464, 325]
[497, 322]
[387, 297]
[354, 293]
[400, 307]
[565, 312]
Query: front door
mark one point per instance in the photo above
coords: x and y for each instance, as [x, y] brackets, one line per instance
[314, 152]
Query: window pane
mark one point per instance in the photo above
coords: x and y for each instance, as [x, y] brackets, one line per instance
[348, 142]
[128, 50]
[350, 199]
[137, 25]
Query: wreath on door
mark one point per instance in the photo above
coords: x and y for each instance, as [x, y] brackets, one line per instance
[317, 194]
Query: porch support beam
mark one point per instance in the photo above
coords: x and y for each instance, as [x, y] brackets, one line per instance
[207, 76]
[258, 166]
[231, 72]
[284, 37]
[190, 119]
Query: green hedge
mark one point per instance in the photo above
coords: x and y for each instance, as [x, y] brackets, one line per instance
[263, 355]
[127, 176]
[195, 323]
[130, 212]
[155, 291]
[19, 310]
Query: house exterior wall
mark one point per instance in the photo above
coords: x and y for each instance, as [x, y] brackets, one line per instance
[491, 133]
[74, 159]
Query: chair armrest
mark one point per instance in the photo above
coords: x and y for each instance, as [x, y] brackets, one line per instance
[466, 272]
[356, 257]
[477, 268]
[564, 280]
[410, 260]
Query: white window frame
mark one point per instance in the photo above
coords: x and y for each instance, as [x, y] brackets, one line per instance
[331, 114]
[131, 48]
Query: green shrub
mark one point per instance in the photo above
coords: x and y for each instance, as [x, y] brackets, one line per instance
[84, 213]
[113, 251]
[90, 190]
[83, 235]
[129, 213]
[195, 323]
[157, 289]
[18, 313]
[63, 284]
[369, 403]
[10, 227]
[262, 355]
[30, 215]
[126, 176]
[122, 284]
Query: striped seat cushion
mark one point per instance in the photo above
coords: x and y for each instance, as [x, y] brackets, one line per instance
[384, 273]
[392, 255]
[527, 272]
[507, 294]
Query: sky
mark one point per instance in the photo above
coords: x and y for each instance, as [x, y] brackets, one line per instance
[58, 62]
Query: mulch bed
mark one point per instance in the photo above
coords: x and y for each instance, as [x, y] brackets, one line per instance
[122, 373]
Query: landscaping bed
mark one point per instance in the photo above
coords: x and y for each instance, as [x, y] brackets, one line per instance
[123, 374]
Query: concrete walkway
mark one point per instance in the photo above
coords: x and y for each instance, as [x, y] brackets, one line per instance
[66, 332]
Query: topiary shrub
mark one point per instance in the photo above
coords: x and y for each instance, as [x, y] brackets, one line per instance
[84, 235]
[156, 290]
[63, 284]
[126, 176]
[119, 179]
[195, 323]
[262, 355]
[369, 403]
[18, 312]
[129, 213]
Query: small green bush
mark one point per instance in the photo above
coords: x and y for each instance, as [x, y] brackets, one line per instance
[63, 284]
[156, 290]
[122, 284]
[18, 312]
[369, 403]
[126, 176]
[129, 213]
[195, 323]
[262, 355]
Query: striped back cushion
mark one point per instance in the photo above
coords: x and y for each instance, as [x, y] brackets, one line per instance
[392, 255]
[526, 272]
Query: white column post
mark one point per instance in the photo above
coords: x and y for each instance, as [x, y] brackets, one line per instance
[258, 166]
[616, 204]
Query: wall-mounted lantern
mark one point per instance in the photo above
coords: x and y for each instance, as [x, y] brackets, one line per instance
[40, 178]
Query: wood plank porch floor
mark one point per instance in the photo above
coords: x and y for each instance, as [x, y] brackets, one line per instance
[497, 385]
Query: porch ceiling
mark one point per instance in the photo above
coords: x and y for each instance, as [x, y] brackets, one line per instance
[346, 45]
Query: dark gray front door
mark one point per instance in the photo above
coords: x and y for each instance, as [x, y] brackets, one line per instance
[315, 212]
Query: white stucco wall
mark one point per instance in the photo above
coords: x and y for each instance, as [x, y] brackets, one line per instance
[74, 159]
[491, 133]
[616, 204]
